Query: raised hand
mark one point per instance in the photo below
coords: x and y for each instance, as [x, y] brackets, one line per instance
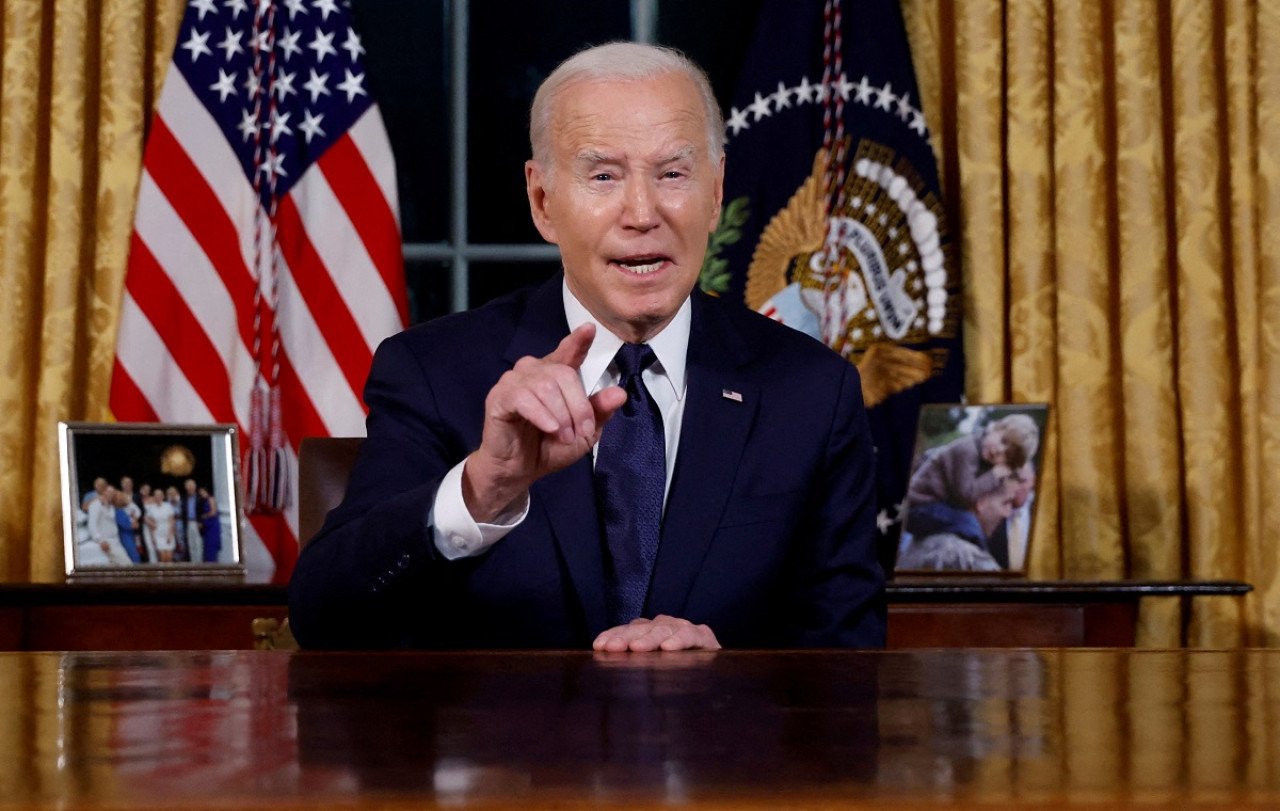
[538, 419]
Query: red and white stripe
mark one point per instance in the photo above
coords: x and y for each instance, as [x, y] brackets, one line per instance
[184, 352]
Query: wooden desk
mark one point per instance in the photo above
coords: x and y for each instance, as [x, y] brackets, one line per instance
[134, 615]
[1013, 612]
[734, 730]
[923, 612]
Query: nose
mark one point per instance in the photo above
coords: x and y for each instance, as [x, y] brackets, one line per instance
[640, 205]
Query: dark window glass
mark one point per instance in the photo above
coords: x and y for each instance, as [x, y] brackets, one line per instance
[429, 289]
[492, 279]
[407, 53]
[713, 33]
[514, 45]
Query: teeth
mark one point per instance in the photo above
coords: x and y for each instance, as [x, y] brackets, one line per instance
[641, 269]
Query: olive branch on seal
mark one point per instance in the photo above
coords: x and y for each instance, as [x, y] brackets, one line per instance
[714, 276]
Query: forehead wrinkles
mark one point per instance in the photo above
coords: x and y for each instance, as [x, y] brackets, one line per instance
[643, 132]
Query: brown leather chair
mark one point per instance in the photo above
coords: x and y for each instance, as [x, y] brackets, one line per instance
[324, 466]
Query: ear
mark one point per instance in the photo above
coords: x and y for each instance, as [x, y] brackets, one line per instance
[535, 185]
[719, 197]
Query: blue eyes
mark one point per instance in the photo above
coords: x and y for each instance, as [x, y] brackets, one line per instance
[604, 177]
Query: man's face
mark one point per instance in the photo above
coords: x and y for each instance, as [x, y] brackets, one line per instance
[630, 196]
[1025, 484]
[993, 508]
[190, 486]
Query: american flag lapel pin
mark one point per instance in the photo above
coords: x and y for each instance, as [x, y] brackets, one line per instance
[730, 394]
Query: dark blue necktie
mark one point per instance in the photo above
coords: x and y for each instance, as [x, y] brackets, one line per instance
[630, 475]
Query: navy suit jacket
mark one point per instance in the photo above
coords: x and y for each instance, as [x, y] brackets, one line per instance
[768, 535]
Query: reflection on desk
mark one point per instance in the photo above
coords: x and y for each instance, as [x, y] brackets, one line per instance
[728, 730]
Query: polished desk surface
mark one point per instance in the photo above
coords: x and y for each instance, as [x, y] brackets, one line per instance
[897, 729]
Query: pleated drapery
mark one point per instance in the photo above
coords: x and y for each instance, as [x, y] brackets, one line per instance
[1112, 168]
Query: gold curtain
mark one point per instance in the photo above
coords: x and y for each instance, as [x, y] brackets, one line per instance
[77, 84]
[1112, 167]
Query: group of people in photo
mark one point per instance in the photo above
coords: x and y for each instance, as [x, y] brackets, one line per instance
[150, 525]
[969, 500]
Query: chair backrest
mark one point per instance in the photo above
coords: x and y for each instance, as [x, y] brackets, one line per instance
[324, 465]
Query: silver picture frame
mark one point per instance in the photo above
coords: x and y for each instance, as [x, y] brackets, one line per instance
[111, 473]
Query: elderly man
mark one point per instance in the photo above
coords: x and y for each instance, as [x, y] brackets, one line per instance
[612, 459]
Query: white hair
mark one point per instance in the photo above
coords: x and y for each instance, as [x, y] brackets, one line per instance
[622, 61]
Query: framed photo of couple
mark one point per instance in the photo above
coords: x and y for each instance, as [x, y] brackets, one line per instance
[971, 499]
[150, 500]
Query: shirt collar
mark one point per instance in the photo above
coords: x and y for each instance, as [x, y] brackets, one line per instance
[671, 345]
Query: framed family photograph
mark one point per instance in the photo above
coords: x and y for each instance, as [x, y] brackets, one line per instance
[971, 500]
[150, 500]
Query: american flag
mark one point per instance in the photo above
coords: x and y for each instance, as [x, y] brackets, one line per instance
[265, 263]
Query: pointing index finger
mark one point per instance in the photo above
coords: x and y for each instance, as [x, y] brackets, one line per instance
[572, 351]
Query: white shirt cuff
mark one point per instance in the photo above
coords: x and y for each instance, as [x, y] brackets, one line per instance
[455, 532]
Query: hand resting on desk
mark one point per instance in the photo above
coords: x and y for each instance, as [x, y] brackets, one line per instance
[660, 633]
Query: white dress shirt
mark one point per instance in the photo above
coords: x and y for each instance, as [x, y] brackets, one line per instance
[456, 534]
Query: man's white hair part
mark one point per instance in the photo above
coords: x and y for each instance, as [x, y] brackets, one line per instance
[621, 61]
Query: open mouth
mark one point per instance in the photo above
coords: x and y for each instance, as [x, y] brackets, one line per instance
[641, 265]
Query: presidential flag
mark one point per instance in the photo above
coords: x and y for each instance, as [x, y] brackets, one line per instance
[833, 219]
[265, 263]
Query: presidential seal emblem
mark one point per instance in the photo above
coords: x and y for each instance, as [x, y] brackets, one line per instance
[869, 276]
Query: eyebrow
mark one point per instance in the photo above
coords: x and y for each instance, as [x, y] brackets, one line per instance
[679, 155]
[592, 158]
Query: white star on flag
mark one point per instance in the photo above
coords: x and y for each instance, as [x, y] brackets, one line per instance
[864, 88]
[204, 7]
[352, 45]
[352, 85]
[225, 86]
[781, 97]
[325, 7]
[196, 45]
[279, 125]
[231, 44]
[322, 45]
[289, 43]
[317, 85]
[760, 107]
[248, 125]
[885, 97]
[310, 125]
[284, 84]
[805, 91]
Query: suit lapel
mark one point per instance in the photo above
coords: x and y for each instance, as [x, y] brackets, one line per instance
[719, 410]
[542, 325]
[566, 497]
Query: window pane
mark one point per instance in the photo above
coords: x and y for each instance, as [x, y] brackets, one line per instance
[429, 289]
[408, 63]
[714, 33]
[514, 45]
[492, 279]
